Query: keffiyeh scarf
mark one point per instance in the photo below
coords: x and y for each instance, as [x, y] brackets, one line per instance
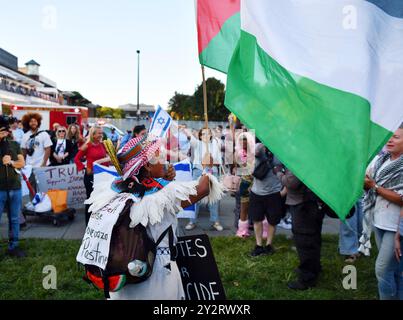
[390, 177]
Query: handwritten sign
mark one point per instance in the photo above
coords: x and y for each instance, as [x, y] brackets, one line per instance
[198, 269]
[64, 178]
[95, 246]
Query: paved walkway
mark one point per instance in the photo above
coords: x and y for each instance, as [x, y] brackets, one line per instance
[41, 227]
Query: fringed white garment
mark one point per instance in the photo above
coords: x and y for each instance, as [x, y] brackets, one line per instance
[102, 193]
[158, 211]
[151, 208]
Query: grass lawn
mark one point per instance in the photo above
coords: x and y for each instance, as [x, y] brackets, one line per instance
[243, 277]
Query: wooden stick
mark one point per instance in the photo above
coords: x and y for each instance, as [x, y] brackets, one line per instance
[205, 108]
[205, 98]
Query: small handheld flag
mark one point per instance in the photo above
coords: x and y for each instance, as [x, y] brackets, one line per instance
[161, 123]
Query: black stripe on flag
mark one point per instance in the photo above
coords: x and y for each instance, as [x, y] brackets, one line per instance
[393, 8]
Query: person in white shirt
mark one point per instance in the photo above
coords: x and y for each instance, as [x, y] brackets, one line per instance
[382, 204]
[17, 132]
[206, 157]
[35, 144]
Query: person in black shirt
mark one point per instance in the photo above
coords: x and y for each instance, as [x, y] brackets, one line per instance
[11, 159]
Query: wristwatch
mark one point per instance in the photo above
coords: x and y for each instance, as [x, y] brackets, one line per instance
[376, 187]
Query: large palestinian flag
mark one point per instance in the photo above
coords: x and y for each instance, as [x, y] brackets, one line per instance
[218, 28]
[321, 82]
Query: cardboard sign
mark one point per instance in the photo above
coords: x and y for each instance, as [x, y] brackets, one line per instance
[200, 277]
[63, 178]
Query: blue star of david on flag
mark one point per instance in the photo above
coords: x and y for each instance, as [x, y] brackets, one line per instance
[161, 123]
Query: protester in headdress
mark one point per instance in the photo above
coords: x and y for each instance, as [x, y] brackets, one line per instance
[146, 178]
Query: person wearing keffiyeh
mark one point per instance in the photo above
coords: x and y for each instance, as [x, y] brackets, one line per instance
[145, 178]
[382, 205]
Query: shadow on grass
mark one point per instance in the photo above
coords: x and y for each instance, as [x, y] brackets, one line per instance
[243, 277]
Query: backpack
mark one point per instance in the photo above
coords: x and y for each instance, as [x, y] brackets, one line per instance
[130, 248]
[265, 165]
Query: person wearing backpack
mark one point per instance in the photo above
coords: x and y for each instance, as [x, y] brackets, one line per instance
[143, 197]
[265, 199]
[35, 144]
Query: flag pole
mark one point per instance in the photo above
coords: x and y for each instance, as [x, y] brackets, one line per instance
[205, 104]
[205, 98]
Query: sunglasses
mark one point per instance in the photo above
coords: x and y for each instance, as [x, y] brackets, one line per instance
[61, 131]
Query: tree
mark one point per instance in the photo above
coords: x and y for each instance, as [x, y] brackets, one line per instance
[107, 112]
[216, 109]
[181, 106]
[185, 107]
[78, 100]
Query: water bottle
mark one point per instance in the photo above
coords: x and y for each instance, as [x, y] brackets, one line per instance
[137, 268]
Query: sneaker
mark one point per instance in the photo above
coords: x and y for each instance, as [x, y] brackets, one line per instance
[284, 224]
[16, 252]
[218, 226]
[190, 226]
[269, 249]
[258, 251]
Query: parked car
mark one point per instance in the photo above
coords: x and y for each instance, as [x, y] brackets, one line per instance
[107, 127]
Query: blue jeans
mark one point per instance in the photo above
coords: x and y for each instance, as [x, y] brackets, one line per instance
[196, 173]
[387, 266]
[14, 204]
[401, 271]
[350, 232]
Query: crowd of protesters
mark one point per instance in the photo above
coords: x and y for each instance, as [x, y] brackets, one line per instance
[268, 194]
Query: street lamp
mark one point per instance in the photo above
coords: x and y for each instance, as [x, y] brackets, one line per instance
[138, 84]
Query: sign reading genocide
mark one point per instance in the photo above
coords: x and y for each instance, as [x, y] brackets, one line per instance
[198, 269]
[63, 178]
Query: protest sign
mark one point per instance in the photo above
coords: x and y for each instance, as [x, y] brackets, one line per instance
[198, 269]
[63, 178]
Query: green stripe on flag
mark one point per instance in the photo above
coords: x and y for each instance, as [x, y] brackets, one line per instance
[320, 133]
[217, 55]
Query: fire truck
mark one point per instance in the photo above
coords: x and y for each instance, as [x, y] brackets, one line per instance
[63, 115]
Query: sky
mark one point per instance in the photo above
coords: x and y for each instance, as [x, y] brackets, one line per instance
[90, 46]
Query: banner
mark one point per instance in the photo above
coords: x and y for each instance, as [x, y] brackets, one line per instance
[63, 178]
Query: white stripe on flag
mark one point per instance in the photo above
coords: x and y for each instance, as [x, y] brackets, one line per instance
[184, 173]
[161, 123]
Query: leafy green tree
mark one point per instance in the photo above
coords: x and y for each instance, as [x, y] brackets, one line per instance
[78, 100]
[185, 107]
[107, 112]
[216, 109]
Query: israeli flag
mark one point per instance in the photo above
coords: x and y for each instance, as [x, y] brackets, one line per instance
[184, 173]
[161, 123]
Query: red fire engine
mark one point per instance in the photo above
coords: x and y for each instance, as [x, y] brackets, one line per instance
[63, 115]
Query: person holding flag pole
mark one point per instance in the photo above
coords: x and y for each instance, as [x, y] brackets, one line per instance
[206, 159]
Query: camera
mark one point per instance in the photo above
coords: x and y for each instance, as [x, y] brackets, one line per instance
[4, 123]
[31, 145]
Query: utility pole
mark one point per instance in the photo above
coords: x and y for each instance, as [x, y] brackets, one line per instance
[138, 84]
